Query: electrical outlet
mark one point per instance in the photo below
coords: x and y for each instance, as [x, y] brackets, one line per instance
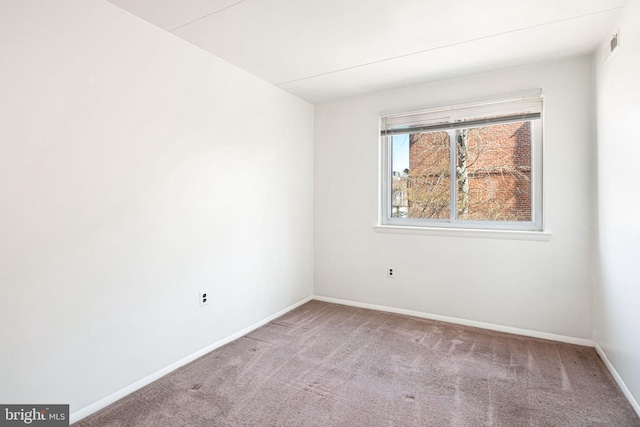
[204, 297]
[391, 272]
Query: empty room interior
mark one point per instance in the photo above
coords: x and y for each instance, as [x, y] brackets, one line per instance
[321, 212]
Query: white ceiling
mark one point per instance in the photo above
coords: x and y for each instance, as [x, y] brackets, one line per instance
[323, 50]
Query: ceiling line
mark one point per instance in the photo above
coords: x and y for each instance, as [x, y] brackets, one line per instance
[445, 46]
[205, 16]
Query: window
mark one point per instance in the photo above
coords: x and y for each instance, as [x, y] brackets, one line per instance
[465, 166]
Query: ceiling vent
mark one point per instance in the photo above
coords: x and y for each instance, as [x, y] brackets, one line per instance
[612, 46]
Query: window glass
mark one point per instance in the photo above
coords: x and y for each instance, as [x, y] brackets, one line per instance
[480, 175]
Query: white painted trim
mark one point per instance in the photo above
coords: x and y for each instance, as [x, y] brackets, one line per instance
[106, 401]
[617, 378]
[456, 320]
[542, 236]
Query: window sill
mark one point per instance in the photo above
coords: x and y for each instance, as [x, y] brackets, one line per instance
[539, 236]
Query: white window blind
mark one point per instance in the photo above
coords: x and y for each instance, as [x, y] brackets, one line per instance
[512, 109]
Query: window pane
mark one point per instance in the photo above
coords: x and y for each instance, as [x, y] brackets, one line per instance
[400, 168]
[421, 181]
[493, 172]
[464, 166]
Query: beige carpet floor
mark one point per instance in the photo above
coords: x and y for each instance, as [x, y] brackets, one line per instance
[330, 365]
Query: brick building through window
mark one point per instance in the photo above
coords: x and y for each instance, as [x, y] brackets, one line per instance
[493, 174]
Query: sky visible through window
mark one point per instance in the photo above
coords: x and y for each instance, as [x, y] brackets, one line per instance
[400, 155]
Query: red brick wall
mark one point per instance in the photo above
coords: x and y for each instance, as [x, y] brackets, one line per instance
[498, 168]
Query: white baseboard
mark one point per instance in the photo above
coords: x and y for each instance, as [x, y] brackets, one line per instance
[456, 320]
[106, 401]
[526, 332]
[617, 378]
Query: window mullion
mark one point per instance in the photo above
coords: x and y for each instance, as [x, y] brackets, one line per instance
[387, 178]
[453, 196]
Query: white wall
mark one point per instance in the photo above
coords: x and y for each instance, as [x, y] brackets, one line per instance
[540, 286]
[135, 170]
[617, 295]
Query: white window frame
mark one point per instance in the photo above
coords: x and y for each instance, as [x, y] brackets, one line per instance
[453, 117]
